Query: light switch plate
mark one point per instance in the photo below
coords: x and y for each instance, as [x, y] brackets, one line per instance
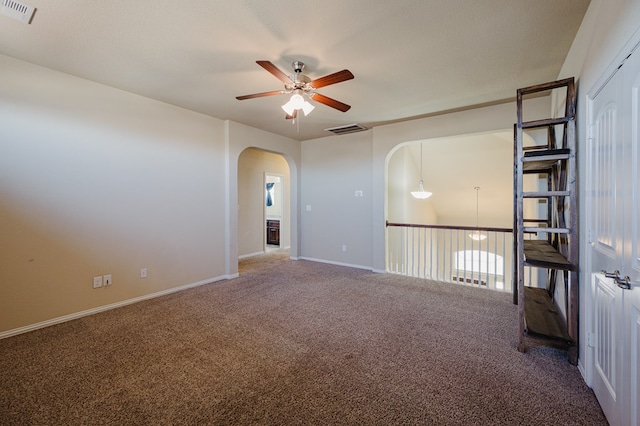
[97, 282]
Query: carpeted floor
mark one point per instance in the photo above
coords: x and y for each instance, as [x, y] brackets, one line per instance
[295, 342]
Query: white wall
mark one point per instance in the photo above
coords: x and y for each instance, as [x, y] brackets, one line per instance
[334, 168]
[96, 181]
[609, 30]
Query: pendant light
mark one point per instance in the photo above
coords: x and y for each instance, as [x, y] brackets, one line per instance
[421, 193]
[476, 235]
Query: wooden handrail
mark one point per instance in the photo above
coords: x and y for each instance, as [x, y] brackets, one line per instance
[462, 228]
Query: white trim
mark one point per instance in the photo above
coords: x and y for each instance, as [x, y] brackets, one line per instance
[629, 47]
[350, 265]
[583, 372]
[244, 256]
[76, 315]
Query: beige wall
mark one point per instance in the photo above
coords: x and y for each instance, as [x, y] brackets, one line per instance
[403, 177]
[97, 181]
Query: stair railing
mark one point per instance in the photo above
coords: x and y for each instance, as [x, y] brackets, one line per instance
[475, 256]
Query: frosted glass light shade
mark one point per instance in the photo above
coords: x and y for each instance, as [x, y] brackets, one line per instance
[421, 193]
[307, 108]
[477, 236]
[297, 102]
[288, 108]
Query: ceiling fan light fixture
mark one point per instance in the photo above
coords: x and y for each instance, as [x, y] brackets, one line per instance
[299, 85]
[307, 108]
[297, 102]
[288, 108]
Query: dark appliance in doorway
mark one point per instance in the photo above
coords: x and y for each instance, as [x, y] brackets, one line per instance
[273, 232]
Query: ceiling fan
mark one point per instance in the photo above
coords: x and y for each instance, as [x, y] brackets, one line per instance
[300, 85]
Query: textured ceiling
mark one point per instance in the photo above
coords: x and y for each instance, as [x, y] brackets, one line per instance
[410, 58]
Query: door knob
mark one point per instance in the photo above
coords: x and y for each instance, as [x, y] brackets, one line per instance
[614, 274]
[625, 283]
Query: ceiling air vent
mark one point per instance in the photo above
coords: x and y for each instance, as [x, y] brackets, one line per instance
[349, 128]
[17, 10]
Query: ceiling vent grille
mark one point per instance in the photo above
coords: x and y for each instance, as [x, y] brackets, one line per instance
[17, 10]
[349, 128]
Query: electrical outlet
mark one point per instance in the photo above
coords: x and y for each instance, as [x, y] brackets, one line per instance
[143, 273]
[106, 280]
[97, 282]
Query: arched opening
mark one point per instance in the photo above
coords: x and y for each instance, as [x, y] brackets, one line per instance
[264, 206]
[451, 168]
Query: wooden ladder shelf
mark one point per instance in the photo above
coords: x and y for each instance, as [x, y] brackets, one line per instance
[553, 239]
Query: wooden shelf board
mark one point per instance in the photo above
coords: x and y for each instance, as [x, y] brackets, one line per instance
[544, 194]
[544, 166]
[544, 123]
[542, 317]
[541, 254]
[552, 154]
[547, 229]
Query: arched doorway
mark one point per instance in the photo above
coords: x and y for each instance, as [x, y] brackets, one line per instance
[451, 168]
[256, 169]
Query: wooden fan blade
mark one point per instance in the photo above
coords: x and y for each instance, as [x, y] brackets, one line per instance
[260, 95]
[330, 102]
[334, 78]
[275, 71]
[295, 114]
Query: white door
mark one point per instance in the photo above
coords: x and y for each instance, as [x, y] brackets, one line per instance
[604, 157]
[612, 200]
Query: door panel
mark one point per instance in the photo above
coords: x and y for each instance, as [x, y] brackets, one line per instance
[613, 201]
[607, 356]
[603, 157]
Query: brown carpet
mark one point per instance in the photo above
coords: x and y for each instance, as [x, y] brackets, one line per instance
[295, 342]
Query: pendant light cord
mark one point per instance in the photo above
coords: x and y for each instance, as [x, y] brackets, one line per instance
[421, 161]
[477, 188]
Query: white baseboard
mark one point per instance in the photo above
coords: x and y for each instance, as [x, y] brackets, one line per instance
[350, 265]
[244, 256]
[76, 315]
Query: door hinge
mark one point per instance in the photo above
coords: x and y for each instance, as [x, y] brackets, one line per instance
[591, 339]
[590, 131]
